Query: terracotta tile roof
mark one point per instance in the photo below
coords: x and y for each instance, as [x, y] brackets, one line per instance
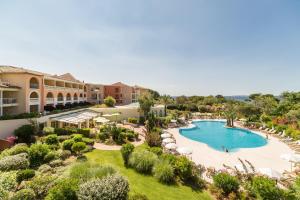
[12, 69]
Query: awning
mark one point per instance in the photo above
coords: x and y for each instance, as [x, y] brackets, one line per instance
[101, 120]
[76, 118]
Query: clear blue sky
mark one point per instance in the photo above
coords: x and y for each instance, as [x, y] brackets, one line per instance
[174, 46]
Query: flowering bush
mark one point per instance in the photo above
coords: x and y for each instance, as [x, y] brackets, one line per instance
[8, 180]
[24, 194]
[143, 161]
[41, 185]
[113, 187]
[17, 149]
[14, 162]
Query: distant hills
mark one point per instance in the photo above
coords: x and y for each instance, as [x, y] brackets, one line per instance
[238, 97]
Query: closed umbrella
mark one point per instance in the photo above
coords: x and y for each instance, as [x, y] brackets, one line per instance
[101, 120]
[292, 158]
[184, 150]
[270, 173]
[165, 135]
[168, 140]
[171, 146]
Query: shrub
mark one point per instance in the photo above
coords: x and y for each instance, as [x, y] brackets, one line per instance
[41, 185]
[138, 197]
[78, 147]
[51, 139]
[64, 190]
[109, 101]
[265, 188]
[113, 187]
[227, 183]
[85, 132]
[183, 167]
[62, 138]
[133, 120]
[61, 131]
[126, 151]
[56, 163]
[157, 150]
[37, 153]
[88, 141]
[3, 193]
[48, 130]
[77, 137]
[164, 172]
[64, 154]
[25, 175]
[24, 194]
[8, 180]
[17, 149]
[45, 168]
[143, 161]
[86, 171]
[67, 144]
[24, 133]
[153, 139]
[52, 155]
[14, 162]
[103, 136]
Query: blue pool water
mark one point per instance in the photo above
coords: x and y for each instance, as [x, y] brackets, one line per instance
[217, 136]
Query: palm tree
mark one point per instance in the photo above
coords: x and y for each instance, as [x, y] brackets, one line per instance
[230, 113]
[166, 100]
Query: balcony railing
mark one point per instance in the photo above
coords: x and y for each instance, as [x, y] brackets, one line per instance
[50, 100]
[34, 100]
[60, 99]
[34, 85]
[6, 101]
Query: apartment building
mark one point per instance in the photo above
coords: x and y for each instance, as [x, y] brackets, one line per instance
[95, 93]
[124, 94]
[24, 91]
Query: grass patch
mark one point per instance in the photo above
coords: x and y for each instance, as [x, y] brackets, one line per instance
[144, 184]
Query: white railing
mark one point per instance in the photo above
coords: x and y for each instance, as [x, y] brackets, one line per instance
[6, 101]
[60, 99]
[50, 100]
[34, 100]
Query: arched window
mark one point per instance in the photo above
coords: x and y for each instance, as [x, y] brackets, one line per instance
[75, 97]
[34, 95]
[50, 95]
[84, 88]
[69, 98]
[80, 95]
[34, 83]
[60, 97]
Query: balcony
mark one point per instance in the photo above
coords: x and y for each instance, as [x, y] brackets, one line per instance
[34, 85]
[60, 100]
[49, 100]
[9, 101]
[34, 100]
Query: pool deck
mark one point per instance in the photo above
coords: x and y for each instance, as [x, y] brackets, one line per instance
[267, 156]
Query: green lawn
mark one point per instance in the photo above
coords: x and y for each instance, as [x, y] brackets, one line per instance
[145, 184]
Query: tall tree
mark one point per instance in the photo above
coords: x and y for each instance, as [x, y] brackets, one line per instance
[146, 101]
[165, 100]
[230, 113]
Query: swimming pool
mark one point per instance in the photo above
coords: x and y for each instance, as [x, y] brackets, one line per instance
[217, 136]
